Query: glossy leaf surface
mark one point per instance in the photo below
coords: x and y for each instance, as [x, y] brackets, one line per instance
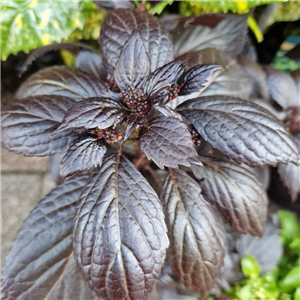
[92, 63]
[167, 141]
[228, 36]
[119, 235]
[241, 130]
[282, 88]
[71, 285]
[267, 250]
[119, 25]
[159, 82]
[63, 81]
[290, 174]
[239, 197]
[198, 78]
[133, 66]
[43, 247]
[197, 248]
[27, 125]
[92, 113]
[85, 153]
[231, 80]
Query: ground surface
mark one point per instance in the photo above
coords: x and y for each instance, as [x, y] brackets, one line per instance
[24, 181]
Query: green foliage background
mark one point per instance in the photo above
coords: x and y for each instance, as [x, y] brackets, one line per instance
[26, 25]
[283, 282]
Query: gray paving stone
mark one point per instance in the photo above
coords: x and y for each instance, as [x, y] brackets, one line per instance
[11, 161]
[20, 194]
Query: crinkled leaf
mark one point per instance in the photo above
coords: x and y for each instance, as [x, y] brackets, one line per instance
[159, 82]
[197, 248]
[290, 174]
[239, 197]
[267, 250]
[133, 66]
[231, 80]
[63, 81]
[43, 247]
[92, 113]
[241, 130]
[119, 25]
[282, 88]
[198, 78]
[27, 125]
[114, 4]
[119, 237]
[168, 112]
[228, 36]
[168, 142]
[72, 286]
[92, 63]
[134, 122]
[85, 153]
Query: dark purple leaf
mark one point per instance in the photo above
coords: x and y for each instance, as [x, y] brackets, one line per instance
[296, 76]
[113, 4]
[168, 112]
[134, 122]
[228, 36]
[119, 237]
[63, 81]
[239, 197]
[267, 250]
[290, 175]
[92, 113]
[92, 63]
[119, 24]
[241, 130]
[174, 23]
[71, 47]
[232, 80]
[159, 82]
[197, 247]
[282, 88]
[133, 66]
[256, 77]
[198, 78]
[85, 153]
[27, 125]
[168, 142]
[262, 175]
[43, 247]
[72, 286]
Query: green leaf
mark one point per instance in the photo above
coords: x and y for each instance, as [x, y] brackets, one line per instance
[291, 280]
[250, 267]
[26, 25]
[158, 8]
[236, 6]
[285, 12]
[289, 226]
[255, 29]
[297, 294]
[245, 292]
[295, 245]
